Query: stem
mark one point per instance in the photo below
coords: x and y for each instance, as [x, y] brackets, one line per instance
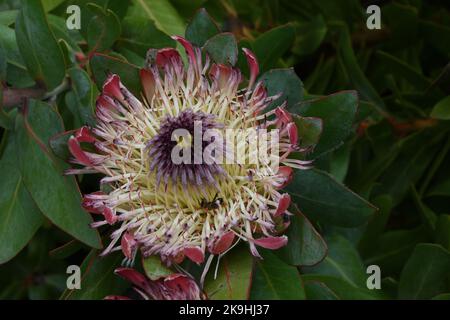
[15, 96]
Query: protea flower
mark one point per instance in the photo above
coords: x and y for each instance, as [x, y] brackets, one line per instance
[179, 210]
[176, 286]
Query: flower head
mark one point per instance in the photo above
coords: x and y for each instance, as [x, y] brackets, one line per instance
[173, 287]
[179, 209]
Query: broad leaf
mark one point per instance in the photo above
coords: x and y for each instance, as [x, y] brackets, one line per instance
[309, 35]
[97, 278]
[56, 195]
[81, 96]
[442, 109]
[38, 46]
[275, 280]
[322, 198]
[233, 278]
[393, 249]
[337, 112]
[319, 287]
[103, 29]
[101, 65]
[309, 130]
[305, 246]
[201, 28]
[342, 261]
[19, 215]
[286, 83]
[8, 17]
[272, 45]
[140, 34]
[162, 13]
[222, 48]
[425, 272]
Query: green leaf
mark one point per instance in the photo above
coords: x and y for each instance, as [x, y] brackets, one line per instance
[416, 153]
[163, 14]
[19, 216]
[427, 215]
[101, 65]
[140, 34]
[58, 144]
[97, 278]
[337, 112]
[309, 35]
[342, 261]
[425, 272]
[286, 82]
[201, 28]
[442, 234]
[320, 197]
[17, 74]
[377, 224]
[316, 290]
[275, 280]
[103, 29]
[440, 189]
[309, 130]
[234, 276]
[82, 95]
[443, 296]
[273, 44]
[442, 109]
[6, 121]
[56, 195]
[38, 46]
[49, 5]
[132, 57]
[154, 268]
[402, 21]
[8, 17]
[305, 246]
[320, 287]
[3, 63]
[350, 65]
[340, 162]
[436, 35]
[393, 248]
[66, 250]
[59, 28]
[403, 70]
[222, 48]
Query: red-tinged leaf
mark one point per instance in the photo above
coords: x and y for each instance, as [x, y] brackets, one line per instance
[37, 44]
[19, 215]
[56, 195]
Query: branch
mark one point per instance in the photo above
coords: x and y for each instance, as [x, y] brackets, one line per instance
[14, 96]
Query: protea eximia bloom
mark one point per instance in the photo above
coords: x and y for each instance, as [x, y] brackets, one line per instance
[185, 210]
[176, 286]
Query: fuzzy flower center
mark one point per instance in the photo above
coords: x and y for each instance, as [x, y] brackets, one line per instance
[178, 138]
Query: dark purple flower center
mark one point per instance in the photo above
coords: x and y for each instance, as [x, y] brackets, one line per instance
[189, 172]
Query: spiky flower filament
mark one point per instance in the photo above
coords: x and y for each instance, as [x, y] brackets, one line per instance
[180, 211]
